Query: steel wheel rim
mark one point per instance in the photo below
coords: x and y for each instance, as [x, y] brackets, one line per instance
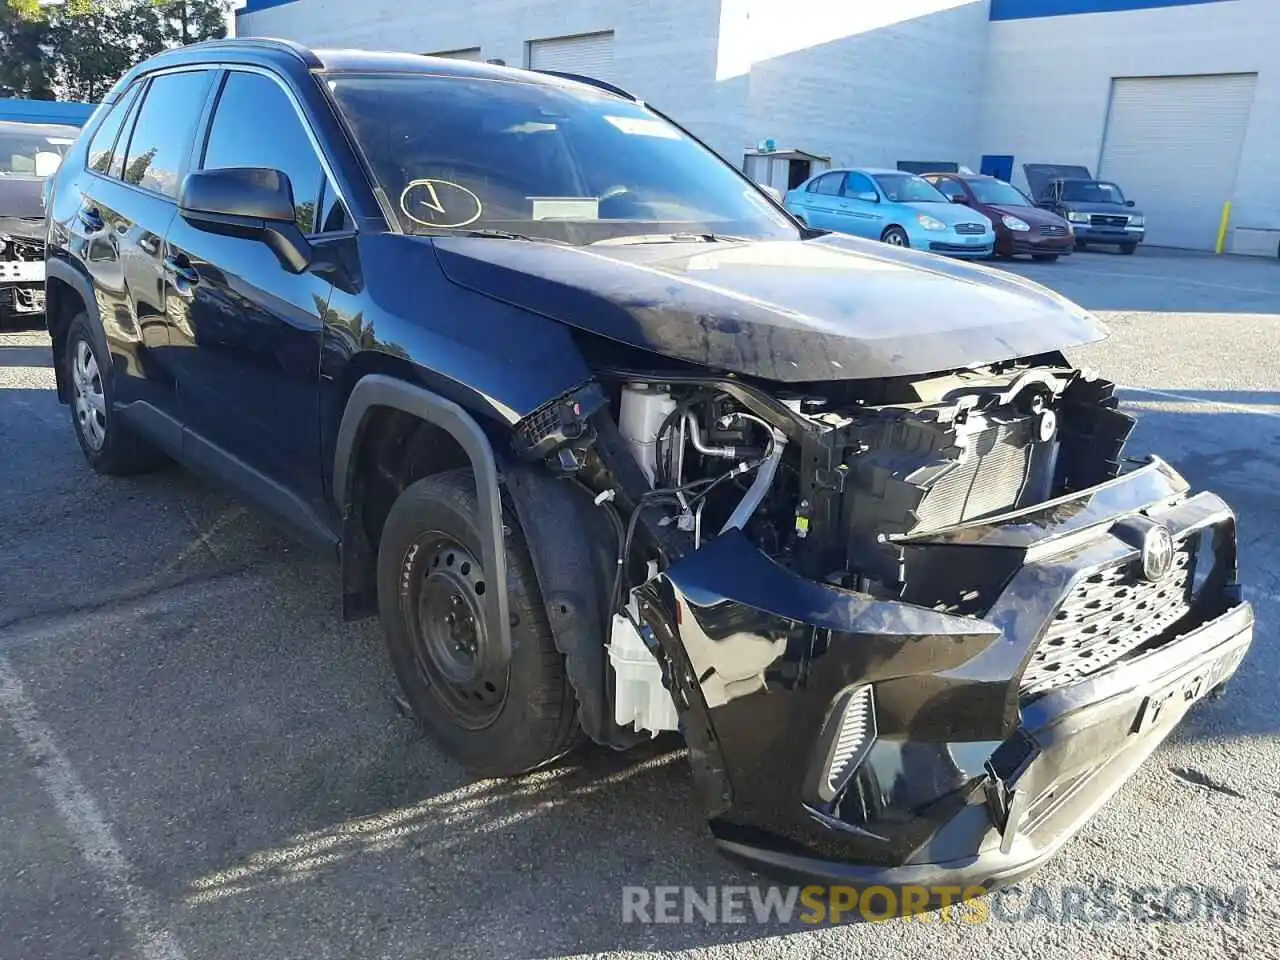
[90, 403]
[449, 635]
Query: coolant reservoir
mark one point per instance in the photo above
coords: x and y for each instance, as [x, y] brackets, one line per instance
[644, 409]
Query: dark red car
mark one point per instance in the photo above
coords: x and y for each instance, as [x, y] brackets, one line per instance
[1021, 227]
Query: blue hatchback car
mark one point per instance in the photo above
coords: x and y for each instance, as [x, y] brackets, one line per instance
[899, 208]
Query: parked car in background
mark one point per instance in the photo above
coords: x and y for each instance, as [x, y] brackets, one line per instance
[1097, 210]
[29, 152]
[1020, 226]
[899, 208]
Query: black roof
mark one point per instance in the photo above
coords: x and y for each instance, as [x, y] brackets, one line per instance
[290, 56]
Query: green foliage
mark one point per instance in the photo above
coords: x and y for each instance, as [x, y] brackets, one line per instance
[79, 48]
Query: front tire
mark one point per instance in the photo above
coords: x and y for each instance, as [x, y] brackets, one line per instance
[431, 597]
[1045, 257]
[1128, 249]
[896, 237]
[108, 443]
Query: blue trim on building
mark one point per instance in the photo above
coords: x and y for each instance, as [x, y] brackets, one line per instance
[253, 6]
[46, 111]
[1030, 9]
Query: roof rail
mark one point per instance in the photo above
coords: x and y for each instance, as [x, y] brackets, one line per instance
[263, 43]
[591, 82]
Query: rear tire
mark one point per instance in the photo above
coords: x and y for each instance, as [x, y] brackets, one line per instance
[1045, 257]
[431, 591]
[109, 444]
[896, 237]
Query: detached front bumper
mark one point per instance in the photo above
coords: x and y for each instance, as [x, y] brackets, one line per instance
[978, 762]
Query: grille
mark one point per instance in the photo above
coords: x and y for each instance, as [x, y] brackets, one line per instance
[971, 229]
[1053, 230]
[989, 478]
[1107, 616]
[1107, 220]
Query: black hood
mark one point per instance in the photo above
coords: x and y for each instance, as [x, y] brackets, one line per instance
[20, 198]
[834, 308]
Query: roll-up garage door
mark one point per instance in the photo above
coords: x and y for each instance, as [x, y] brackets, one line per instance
[590, 55]
[1173, 145]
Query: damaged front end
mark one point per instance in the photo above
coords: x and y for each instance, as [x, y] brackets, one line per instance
[914, 631]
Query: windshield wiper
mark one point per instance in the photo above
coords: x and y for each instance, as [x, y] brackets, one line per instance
[670, 238]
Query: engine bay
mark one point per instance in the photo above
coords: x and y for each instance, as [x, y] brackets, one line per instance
[831, 482]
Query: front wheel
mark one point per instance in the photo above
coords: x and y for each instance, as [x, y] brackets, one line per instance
[1127, 249]
[432, 587]
[1045, 257]
[896, 237]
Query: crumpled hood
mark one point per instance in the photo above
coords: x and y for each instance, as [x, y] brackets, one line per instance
[833, 308]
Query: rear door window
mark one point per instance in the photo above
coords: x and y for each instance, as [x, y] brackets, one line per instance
[829, 185]
[161, 143]
[103, 144]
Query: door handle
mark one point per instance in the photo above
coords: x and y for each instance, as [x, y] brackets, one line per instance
[91, 218]
[184, 275]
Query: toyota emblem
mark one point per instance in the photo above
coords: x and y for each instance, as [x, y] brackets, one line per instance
[1157, 554]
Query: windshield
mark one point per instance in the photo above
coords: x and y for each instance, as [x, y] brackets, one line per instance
[33, 150]
[1091, 191]
[908, 188]
[998, 192]
[541, 160]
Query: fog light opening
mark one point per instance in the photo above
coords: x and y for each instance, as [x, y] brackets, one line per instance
[853, 738]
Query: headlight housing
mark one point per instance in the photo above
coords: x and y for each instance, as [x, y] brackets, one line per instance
[1137, 221]
[1015, 224]
[930, 223]
[1075, 216]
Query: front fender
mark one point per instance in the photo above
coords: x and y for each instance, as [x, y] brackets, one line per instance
[378, 390]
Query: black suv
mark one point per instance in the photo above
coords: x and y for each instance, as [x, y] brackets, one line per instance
[614, 446]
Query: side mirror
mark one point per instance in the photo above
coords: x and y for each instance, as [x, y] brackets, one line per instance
[253, 203]
[867, 196]
[1130, 203]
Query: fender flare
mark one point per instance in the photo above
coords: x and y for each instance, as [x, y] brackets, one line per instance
[378, 390]
[574, 555]
[65, 272]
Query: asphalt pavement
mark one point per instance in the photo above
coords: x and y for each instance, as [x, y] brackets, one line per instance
[199, 759]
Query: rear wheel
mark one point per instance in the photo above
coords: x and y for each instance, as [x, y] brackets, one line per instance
[432, 589]
[108, 443]
[896, 237]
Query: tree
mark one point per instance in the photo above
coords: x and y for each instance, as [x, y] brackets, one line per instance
[26, 67]
[81, 47]
[190, 21]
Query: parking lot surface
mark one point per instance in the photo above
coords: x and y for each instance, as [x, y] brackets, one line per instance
[199, 759]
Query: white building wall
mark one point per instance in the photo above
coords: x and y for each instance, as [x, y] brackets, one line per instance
[868, 83]
[865, 83]
[664, 51]
[1048, 87]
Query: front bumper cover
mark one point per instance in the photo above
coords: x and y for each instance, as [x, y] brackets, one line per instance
[969, 782]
